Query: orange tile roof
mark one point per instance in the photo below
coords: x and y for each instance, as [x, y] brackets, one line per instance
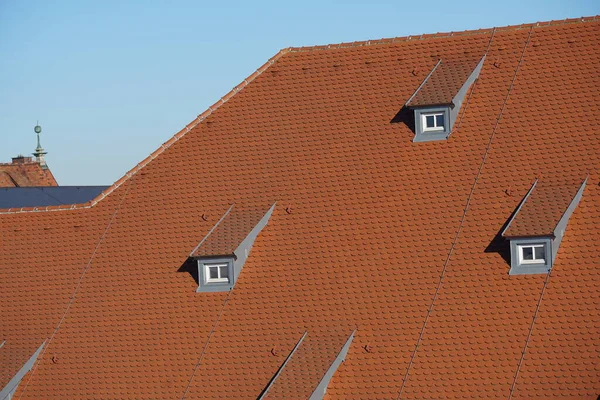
[27, 173]
[382, 233]
[543, 208]
[6, 180]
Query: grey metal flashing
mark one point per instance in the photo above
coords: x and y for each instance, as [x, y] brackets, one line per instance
[2, 344]
[561, 226]
[424, 136]
[280, 370]
[321, 389]
[211, 230]
[8, 391]
[460, 95]
[236, 260]
[520, 206]
[243, 250]
[526, 269]
[424, 82]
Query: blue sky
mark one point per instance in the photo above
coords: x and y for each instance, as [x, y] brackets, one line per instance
[110, 81]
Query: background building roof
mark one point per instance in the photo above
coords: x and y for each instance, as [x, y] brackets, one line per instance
[23, 171]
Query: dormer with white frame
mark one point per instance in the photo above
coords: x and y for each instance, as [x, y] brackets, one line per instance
[537, 227]
[438, 100]
[221, 255]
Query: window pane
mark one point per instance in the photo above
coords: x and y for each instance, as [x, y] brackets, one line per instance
[429, 121]
[539, 253]
[214, 272]
[224, 271]
[527, 253]
[439, 120]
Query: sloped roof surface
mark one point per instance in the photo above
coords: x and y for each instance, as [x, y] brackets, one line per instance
[6, 180]
[231, 230]
[445, 81]
[383, 233]
[543, 208]
[25, 174]
[47, 196]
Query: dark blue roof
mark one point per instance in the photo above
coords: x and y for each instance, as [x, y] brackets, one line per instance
[47, 196]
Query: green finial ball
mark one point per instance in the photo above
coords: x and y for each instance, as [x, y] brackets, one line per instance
[37, 129]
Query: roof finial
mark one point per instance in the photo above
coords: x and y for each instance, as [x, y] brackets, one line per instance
[39, 150]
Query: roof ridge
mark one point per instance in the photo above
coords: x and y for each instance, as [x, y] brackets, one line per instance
[129, 174]
[438, 35]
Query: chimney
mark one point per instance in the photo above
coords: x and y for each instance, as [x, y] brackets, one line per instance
[21, 159]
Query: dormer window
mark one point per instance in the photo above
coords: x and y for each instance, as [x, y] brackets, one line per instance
[532, 253]
[437, 101]
[216, 272]
[433, 122]
[537, 227]
[222, 253]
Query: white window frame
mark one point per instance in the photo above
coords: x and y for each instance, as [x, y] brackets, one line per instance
[533, 247]
[436, 127]
[208, 266]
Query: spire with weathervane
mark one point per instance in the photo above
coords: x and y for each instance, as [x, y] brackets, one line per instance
[39, 150]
